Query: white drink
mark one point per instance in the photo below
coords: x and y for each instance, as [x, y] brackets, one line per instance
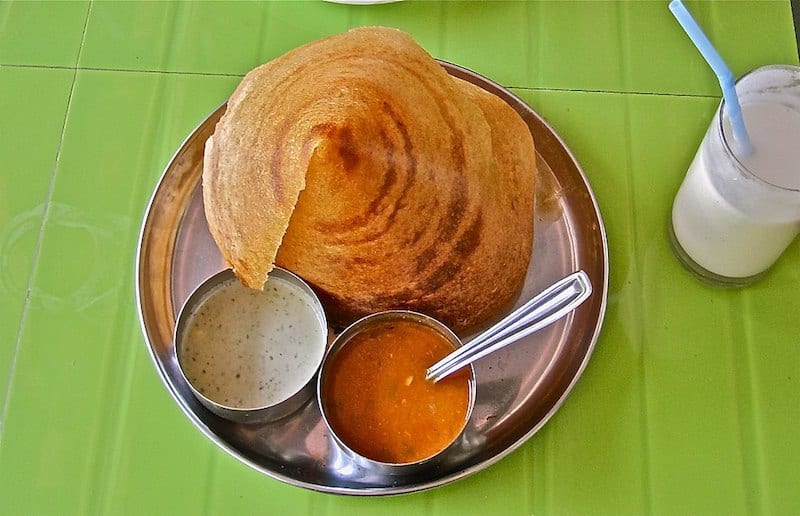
[734, 216]
[775, 135]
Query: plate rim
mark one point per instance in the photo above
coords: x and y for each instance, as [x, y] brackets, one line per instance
[386, 490]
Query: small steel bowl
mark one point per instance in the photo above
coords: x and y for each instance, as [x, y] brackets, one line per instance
[341, 341]
[218, 284]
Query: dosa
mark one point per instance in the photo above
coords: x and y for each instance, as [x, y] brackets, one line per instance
[358, 163]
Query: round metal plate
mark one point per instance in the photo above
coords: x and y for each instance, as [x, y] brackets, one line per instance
[519, 388]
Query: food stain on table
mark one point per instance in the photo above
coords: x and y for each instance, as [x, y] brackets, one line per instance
[549, 193]
[380, 404]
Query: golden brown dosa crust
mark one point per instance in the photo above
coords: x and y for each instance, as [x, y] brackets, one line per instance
[417, 188]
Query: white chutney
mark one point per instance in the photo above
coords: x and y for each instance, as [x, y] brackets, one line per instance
[245, 348]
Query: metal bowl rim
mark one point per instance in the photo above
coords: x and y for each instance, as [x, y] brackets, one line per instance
[199, 295]
[364, 323]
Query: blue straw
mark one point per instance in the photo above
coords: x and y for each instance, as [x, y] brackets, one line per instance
[722, 71]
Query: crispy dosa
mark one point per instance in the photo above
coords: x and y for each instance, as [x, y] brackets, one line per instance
[358, 163]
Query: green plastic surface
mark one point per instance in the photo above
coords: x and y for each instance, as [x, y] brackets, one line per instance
[41, 33]
[689, 404]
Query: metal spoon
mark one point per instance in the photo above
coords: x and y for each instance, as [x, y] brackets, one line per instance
[547, 307]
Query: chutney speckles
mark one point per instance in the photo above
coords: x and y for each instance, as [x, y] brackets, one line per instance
[246, 348]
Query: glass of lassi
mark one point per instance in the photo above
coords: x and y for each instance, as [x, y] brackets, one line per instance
[735, 214]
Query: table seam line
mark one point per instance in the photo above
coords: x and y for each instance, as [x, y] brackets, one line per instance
[754, 498]
[208, 74]
[129, 70]
[794, 8]
[639, 324]
[614, 92]
[39, 236]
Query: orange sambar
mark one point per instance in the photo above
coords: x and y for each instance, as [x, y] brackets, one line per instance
[380, 404]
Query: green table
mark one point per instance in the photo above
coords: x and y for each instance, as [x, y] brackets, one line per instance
[691, 400]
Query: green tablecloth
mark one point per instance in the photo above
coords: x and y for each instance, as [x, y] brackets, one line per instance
[689, 404]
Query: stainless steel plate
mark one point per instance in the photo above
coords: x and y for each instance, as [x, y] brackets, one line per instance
[519, 388]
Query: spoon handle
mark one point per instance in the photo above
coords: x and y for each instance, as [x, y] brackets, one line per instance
[547, 307]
